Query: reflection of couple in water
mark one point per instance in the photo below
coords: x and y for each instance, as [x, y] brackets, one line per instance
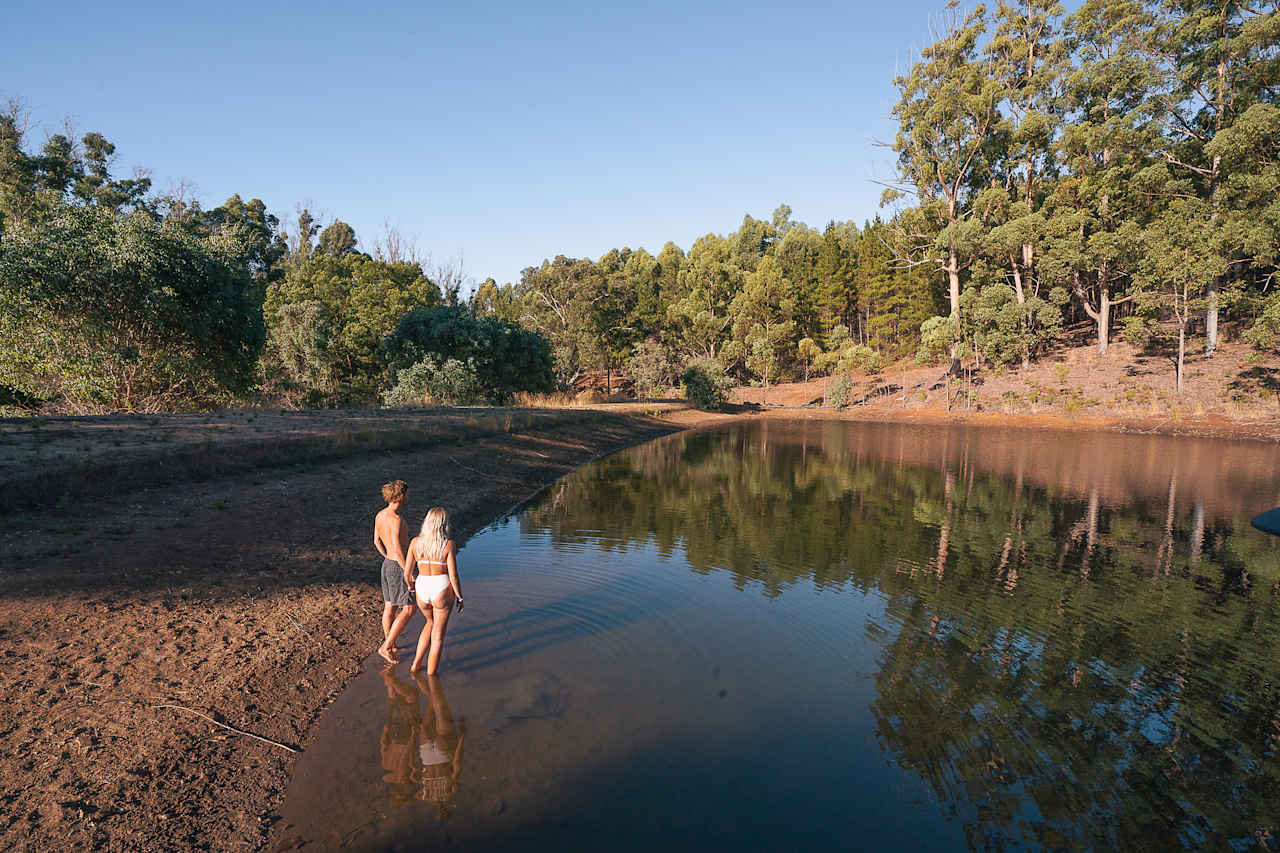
[421, 752]
[433, 555]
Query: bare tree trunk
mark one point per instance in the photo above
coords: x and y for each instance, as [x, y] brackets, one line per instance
[1182, 348]
[1104, 320]
[953, 282]
[1215, 182]
[1091, 532]
[1197, 532]
[1020, 293]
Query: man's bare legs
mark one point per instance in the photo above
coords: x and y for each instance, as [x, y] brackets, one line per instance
[391, 628]
[388, 610]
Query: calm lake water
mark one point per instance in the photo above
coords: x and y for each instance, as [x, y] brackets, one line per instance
[830, 636]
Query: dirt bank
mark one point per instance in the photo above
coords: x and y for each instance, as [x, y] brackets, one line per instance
[1231, 395]
[251, 598]
[1189, 426]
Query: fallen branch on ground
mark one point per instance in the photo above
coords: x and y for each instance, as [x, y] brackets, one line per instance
[233, 728]
[481, 473]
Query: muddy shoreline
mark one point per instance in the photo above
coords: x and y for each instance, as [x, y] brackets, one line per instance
[251, 598]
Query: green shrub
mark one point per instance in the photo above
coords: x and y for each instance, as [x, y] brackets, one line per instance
[705, 384]
[651, 368]
[105, 311]
[506, 357]
[840, 393]
[1264, 334]
[936, 335]
[452, 383]
[859, 357]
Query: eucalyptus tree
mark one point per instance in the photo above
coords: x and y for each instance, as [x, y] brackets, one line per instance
[1095, 211]
[337, 240]
[557, 301]
[949, 115]
[612, 307]
[763, 315]
[502, 302]
[1030, 58]
[1179, 261]
[670, 260]
[1221, 58]
[698, 312]
[17, 177]
[642, 272]
[64, 172]
[327, 319]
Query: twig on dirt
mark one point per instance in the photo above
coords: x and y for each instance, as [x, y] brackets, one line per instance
[232, 728]
[481, 473]
[1153, 429]
[300, 628]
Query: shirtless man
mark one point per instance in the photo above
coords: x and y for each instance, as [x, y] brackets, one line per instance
[390, 536]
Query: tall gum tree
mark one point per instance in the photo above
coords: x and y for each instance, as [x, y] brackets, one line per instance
[1094, 212]
[948, 113]
[1220, 58]
[1179, 259]
[1029, 57]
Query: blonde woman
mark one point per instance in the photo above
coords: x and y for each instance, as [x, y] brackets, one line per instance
[434, 555]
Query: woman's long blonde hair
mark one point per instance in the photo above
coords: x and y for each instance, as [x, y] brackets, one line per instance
[435, 534]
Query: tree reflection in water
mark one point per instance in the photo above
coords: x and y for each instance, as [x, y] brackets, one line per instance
[1081, 629]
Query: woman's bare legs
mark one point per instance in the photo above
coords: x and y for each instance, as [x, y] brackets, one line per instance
[441, 624]
[424, 638]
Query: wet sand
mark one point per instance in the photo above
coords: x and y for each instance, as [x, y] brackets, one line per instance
[252, 599]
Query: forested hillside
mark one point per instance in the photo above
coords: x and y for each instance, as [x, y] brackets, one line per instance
[1117, 169]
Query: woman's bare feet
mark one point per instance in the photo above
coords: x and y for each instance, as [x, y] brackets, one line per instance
[387, 654]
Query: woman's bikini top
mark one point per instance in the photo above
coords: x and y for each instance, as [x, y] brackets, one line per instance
[435, 562]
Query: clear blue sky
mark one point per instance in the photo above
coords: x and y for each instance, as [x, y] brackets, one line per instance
[507, 132]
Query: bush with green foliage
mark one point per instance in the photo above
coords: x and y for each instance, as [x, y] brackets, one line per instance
[859, 357]
[329, 317]
[428, 382]
[1264, 334]
[651, 368]
[507, 357]
[840, 393]
[936, 336]
[1003, 330]
[102, 311]
[705, 384]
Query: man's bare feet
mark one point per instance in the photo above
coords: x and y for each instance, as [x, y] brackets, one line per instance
[386, 654]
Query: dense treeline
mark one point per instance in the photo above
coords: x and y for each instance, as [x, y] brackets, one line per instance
[1117, 165]
[773, 299]
[1117, 168]
[114, 298]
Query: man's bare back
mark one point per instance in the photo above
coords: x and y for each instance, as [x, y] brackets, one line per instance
[390, 534]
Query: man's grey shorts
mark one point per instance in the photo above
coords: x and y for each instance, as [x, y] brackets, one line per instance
[393, 589]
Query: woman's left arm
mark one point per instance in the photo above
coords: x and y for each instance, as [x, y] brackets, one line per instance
[453, 573]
